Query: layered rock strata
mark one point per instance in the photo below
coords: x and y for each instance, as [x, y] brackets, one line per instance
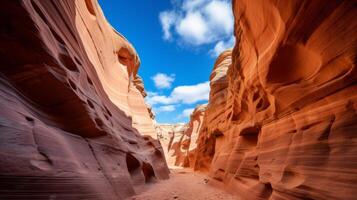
[290, 103]
[214, 121]
[73, 121]
[170, 136]
[180, 140]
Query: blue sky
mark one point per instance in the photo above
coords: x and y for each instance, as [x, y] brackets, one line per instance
[177, 42]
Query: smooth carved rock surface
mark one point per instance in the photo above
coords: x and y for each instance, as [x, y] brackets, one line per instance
[170, 136]
[214, 121]
[73, 121]
[289, 107]
[179, 140]
[206, 123]
[189, 141]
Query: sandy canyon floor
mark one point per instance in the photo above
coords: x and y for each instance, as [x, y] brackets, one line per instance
[184, 184]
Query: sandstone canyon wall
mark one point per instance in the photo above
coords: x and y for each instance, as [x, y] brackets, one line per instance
[189, 140]
[73, 121]
[170, 136]
[283, 125]
[214, 121]
[179, 140]
[206, 123]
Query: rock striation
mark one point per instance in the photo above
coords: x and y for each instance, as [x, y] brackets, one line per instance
[215, 120]
[170, 136]
[73, 120]
[206, 123]
[282, 122]
[189, 140]
[179, 140]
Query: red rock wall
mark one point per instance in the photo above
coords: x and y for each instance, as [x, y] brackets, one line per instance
[290, 103]
[215, 120]
[72, 112]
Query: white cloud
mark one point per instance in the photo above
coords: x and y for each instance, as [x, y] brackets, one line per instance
[162, 80]
[193, 4]
[151, 93]
[186, 113]
[220, 17]
[198, 22]
[187, 94]
[222, 46]
[167, 19]
[158, 99]
[168, 108]
[193, 28]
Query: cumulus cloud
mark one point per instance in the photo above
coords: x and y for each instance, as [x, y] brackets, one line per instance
[162, 80]
[186, 113]
[168, 108]
[219, 15]
[167, 19]
[187, 94]
[222, 46]
[191, 5]
[193, 28]
[159, 99]
[197, 22]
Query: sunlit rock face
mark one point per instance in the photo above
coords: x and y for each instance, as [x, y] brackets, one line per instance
[170, 136]
[193, 145]
[289, 104]
[189, 140]
[215, 121]
[179, 140]
[73, 121]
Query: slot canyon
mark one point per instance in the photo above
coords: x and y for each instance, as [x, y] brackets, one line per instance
[280, 122]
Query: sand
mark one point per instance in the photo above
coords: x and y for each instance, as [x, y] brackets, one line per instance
[184, 184]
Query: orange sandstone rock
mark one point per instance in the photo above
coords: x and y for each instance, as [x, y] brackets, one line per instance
[189, 140]
[73, 121]
[289, 107]
[170, 136]
[215, 121]
[179, 140]
[206, 123]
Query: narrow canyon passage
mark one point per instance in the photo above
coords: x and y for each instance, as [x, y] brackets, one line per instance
[184, 184]
[274, 119]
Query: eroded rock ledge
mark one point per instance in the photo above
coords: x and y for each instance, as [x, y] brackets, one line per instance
[73, 121]
[281, 119]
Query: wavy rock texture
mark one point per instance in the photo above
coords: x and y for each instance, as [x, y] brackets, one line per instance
[179, 140]
[214, 121]
[170, 136]
[290, 103]
[189, 140]
[72, 112]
